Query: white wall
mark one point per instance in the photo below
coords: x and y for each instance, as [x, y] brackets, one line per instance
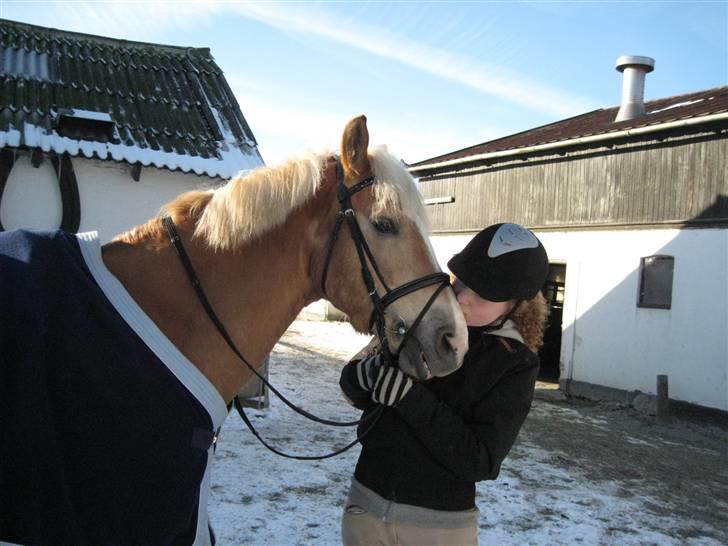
[609, 341]
[31, 198]
[111, 201]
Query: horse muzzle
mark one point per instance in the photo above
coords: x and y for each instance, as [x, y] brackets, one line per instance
[436, 349]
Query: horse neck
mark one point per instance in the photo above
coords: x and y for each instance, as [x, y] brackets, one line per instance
[256, 291]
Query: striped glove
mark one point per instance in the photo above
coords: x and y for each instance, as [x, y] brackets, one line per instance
[366, 370]
[391, 385]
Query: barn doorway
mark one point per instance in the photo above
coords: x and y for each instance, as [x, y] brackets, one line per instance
[553, 291]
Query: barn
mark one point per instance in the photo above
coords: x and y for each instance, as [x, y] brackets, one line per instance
[631, 203]
[98, 133]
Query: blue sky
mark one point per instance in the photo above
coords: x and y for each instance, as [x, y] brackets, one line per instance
[431, 77]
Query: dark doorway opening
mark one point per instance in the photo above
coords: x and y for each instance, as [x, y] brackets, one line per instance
[550, 353]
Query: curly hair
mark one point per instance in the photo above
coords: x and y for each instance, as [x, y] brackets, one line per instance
[530, 320]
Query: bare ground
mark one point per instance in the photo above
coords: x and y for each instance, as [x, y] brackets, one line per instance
[581, 472]
[681, 466]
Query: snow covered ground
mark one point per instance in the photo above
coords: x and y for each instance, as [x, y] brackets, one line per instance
[259, 498]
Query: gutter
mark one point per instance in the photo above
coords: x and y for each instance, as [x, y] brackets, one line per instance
[574, 141]
[719, 222]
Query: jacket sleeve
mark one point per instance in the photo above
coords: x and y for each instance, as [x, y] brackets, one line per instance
[473, 450]
[357, 396]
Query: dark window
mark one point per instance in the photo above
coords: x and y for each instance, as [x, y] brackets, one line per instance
[85, 125]
[656, 282]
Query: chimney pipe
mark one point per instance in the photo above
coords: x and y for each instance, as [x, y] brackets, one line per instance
[634, 69]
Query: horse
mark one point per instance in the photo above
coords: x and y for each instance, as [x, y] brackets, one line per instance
[113, 377]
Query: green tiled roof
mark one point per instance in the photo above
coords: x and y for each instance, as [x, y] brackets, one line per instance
[162, 105]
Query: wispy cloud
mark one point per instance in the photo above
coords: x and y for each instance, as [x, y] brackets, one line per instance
[283, 129]
[143, 20]
[491, 79]
[139, 20]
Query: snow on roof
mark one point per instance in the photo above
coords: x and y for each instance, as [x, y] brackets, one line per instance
[157, 105]
[87, 114]
[232, 159]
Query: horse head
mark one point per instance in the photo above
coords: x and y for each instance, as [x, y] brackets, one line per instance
[272, 240]
[386, 239]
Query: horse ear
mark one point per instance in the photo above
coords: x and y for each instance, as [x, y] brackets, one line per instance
[354, 144]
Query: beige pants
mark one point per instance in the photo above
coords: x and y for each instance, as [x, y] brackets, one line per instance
[361, 528]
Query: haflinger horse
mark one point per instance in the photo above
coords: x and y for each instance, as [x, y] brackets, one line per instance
[113, 378]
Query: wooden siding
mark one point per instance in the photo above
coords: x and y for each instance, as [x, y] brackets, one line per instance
[636, 184]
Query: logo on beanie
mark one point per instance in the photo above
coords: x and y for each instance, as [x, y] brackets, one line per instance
[509, 238]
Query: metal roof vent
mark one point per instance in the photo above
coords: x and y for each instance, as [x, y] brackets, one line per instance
[634, 69]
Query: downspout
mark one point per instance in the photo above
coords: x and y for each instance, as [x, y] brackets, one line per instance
[566, 385]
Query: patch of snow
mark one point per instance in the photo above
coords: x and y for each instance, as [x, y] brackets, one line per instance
[261, 499]
[676, 105]
[234, 159]
[87, 114]
[637, 441]
[10, 138]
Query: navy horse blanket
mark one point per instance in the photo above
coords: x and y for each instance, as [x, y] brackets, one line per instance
[106, 429]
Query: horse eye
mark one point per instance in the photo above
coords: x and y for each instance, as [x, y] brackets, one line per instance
[385, 225]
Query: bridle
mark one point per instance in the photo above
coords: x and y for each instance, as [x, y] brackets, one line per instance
[377, 318]
[380, 303]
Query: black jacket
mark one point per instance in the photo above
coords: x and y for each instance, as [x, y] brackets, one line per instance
[450, 432]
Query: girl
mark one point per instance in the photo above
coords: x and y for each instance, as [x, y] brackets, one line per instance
[414, 482]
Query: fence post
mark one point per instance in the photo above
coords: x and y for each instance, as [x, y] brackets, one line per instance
[663, 399]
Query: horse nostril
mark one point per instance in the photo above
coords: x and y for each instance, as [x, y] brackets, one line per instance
[446, 343]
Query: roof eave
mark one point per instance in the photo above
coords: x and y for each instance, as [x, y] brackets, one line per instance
[585, 140]
[232, 163]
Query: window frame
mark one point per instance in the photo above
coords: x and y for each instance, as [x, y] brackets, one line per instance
[648, 273]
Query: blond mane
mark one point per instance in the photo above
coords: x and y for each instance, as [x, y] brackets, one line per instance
[396, 190]
[251, 204]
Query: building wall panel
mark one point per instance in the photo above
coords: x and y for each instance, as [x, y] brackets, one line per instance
[636, 185]
[608, 340]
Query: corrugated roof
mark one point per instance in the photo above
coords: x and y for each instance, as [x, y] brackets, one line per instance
[171, 106]
[691, 105]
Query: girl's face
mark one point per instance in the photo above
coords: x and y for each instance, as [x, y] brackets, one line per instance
[479, 311]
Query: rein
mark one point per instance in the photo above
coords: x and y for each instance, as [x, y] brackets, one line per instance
[184, 258]
[197, 285]
[377, 319]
